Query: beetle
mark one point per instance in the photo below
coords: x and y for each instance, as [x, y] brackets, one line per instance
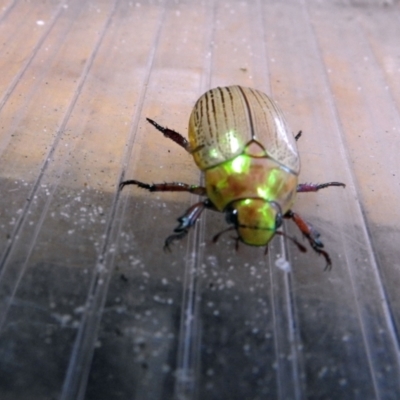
[239, 138]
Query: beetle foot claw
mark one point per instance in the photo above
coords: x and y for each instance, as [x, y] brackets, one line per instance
[328, 267]
[327, 257]
[133, 182]
[173, 238]
[166, 248]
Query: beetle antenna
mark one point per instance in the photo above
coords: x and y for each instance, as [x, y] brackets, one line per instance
[302, 248]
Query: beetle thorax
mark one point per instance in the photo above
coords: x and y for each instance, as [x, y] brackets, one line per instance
[248, 177]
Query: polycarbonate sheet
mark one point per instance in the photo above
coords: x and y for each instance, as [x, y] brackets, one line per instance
[91, 307]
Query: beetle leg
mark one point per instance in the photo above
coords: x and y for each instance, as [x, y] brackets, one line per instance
[166, 187]
[217, 236]
[314, 187]
[311, 234]
[174, 136]
[297, 137]
[186, 221]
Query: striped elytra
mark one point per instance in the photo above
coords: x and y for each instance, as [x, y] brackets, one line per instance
[224, 120]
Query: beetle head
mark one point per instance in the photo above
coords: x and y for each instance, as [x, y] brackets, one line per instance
[256, 220]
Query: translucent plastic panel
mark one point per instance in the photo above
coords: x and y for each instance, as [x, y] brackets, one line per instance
[91, 306]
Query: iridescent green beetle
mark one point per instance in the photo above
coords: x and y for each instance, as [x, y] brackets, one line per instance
[239, 138]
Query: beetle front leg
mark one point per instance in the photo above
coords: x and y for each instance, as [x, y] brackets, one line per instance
[186, 221]
[166, 187]
[311, 234]
[314, 187]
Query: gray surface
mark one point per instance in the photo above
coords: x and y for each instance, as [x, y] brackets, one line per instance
[90, 305]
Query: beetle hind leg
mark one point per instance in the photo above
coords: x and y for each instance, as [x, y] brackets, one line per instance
[314, 187]
[312, 236]
[173, 135]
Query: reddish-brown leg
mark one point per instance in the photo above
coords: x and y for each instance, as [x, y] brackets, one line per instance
[192, 214]
[174, 136]
[166, 187]
[311, 234]
[314, 187]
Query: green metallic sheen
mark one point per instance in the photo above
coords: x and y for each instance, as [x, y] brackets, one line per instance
[247, 177]
[256, 221]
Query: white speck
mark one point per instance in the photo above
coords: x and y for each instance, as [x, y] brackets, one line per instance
[230, 284]
[213, 261]
[79, 310]
[283, 264]
[323, 371]
[40, 22]
[166, 368]
[62, 319]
